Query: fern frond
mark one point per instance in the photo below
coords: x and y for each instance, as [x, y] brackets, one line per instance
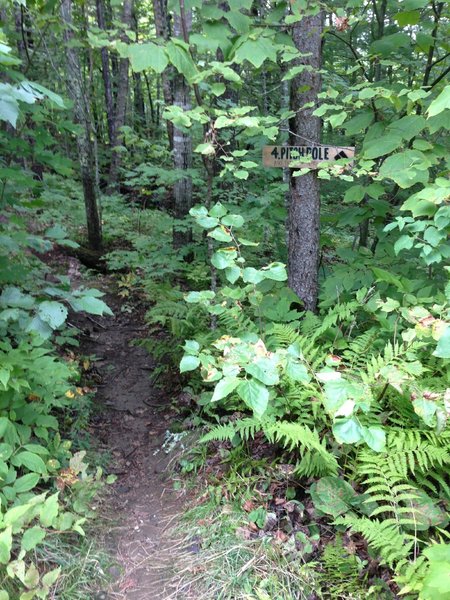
[385, 537]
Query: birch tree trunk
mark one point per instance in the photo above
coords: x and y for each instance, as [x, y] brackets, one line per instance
[121, 101]
[76, 93]
[304, 208]
[182, 143]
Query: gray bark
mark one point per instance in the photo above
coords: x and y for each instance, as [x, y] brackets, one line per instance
[182, 144]
[162, 31]
[82, 116]
[304, 209]
[106, 73]
[121, 101]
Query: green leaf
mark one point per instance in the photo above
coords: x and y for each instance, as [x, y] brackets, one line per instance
[404, 242]
[426, 409]
[5, 545]
[347, 431]
[251, 275]
[379, 147]
[26, 483]
[233, 221]
[297, 371]
[255, 395]
[359, 123]
[91, 305]
[182, 61]
[332, 496]
[232, 273]
[355, 193]
[218, 210]
[409, 17]
[240, 174]
[443, 346]
[224, 388]
[147, 56]
[265, 370]
[220, 234]
[375, 438]
[32, 537]
[276, 271]
[5, 451]
[256, 51]
[51, 577]
[49, 510]
[440, 103]
[189, 363]
[224, 258]
[406, 168]
[31, 461]
[53, 313]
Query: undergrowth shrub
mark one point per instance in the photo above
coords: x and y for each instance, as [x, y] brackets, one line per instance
[45, 489]
[354, 394]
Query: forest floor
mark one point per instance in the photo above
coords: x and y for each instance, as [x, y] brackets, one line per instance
[130, 427]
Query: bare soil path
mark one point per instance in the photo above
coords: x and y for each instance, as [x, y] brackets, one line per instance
[131, 428]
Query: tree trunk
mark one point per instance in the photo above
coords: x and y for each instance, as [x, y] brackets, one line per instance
[106, 73]
[304, 209]
[182, 145]
[121, 101]
[162, 31]
[82, 117]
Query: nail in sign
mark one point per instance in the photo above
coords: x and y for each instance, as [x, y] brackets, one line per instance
[289, 156]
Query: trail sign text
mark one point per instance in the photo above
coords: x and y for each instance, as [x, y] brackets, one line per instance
[289, 156]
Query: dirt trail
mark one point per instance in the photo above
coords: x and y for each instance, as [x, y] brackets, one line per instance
[131, 428]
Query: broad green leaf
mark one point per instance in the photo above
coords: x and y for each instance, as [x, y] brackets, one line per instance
[26, 482]
[265, 370]
[51, 577]
[406, 168]
[49, 510]
[251, 275]
[31, 461]
[189, 363]
[380, 147]
[410, 17]
[440, 103]
[375, 438]
[182, 61]
[224, 258]
[297, 371]
[426, 409]
[407, 127]
[5, 545]
[276, 271]
[359, 123]
[255, 395]
[256, 51]
[91, 305]
[347, 431]
[355, 193]
[53, 313]
[218, 210]
[224, 387]
[5, 451]
[147, 56]
[332, 496]
[443, 346]
[233, 273]
[232, 221]
[32, 537]
[404, 242]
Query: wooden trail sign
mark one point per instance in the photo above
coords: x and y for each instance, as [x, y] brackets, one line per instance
[288, 156]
